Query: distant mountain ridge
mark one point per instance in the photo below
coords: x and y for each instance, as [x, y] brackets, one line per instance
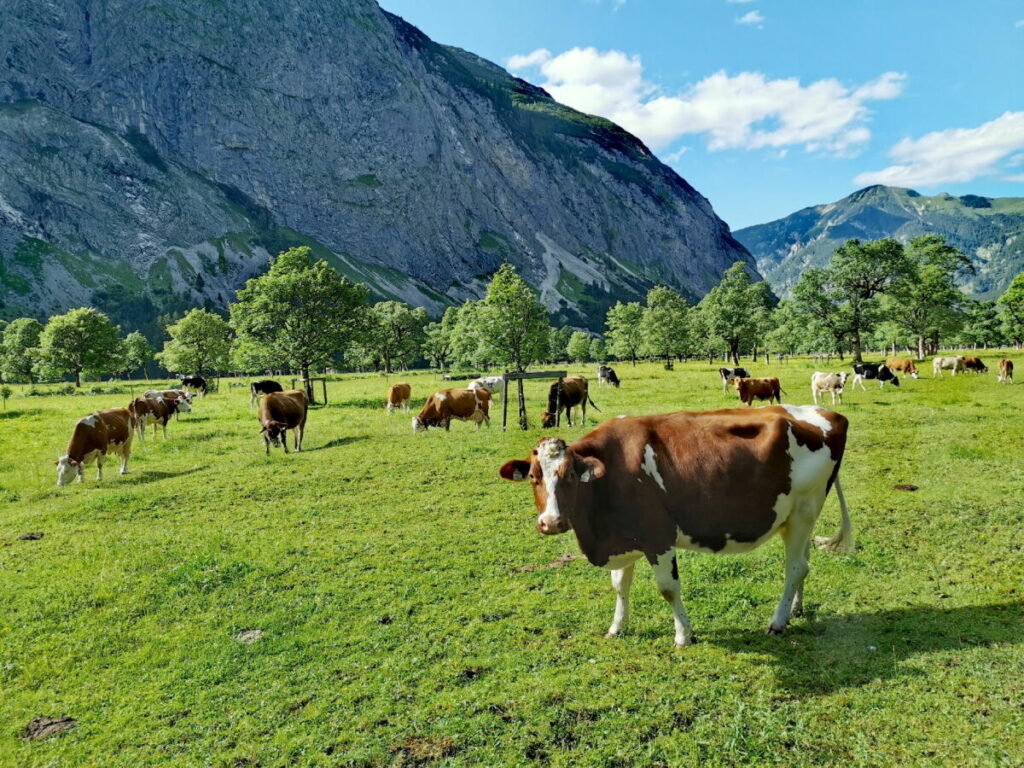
[154, 155]
[989, 230]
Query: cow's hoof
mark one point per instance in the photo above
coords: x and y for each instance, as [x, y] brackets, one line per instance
[772, 630]
[610, 635]
[685, 643]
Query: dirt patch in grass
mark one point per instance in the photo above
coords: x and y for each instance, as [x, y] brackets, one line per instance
[249, 636]
[31, 536]
[417, 750]
[47, 727]
[558, 562]
[904, 487]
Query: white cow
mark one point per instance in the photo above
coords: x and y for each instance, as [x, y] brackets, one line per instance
[954, 364]
[496, 384]
[828, 382]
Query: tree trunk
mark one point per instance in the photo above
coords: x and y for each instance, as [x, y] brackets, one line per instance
[920, 347]
[145, 371]
[857, 358]
[78, 377]
[754, 358]
[734, 352]
[306, 383]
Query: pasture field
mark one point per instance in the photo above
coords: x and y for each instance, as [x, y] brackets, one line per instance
[412, 615]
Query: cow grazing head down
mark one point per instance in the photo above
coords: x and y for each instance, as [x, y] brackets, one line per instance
[275, 433]
[67, 470]
[557, 475]
[417, 425]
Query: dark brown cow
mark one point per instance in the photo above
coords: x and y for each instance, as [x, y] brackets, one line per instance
[902, 365]
[575, 393]
[1006, 371]
[721, 482]
[92, 437]
[975, 364]
[281, 411]
[760, 389]
[161, 411]
[462, 404]
[399, 396]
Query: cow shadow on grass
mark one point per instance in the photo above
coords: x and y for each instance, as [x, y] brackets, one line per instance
[337, 442]
[144, 476]
[374, 403]
[823, 654]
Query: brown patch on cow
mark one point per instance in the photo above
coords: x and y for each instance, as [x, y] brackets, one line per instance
[416, 750]
[249, 636]
[904, 487]
[447, 404]
[47, 727]
[669, 595]
[559, 562]
[575, 392]
[31, 536]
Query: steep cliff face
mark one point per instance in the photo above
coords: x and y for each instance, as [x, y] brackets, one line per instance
[989, 230]
[182, 143]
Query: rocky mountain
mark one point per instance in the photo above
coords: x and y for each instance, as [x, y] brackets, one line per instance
[989, 230]
[153, 155]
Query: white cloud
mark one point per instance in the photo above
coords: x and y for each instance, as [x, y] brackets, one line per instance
[751, 17]
[1018, 24]
[743, 111]
[739, 1]
[953, 155]
[674, 157]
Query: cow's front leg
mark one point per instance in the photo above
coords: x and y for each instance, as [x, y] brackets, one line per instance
[666, 573]
[796, 534]
[124, 461]
[622, 580]
[99, 467]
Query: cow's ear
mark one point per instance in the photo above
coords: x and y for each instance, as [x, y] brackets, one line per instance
[590, 469]
[516, 469]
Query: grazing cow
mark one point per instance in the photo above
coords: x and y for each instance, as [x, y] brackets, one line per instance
[606, 375]
[721, 482]
[975, 365]
[399, 396]
[263, 387]
[878, 371]
[902, 365]
[761, 389]
[195, 383]
[731, 374]
[575, 393]
[462, 404]
[1006, 371]
[281, 411]
[828, 382]
[494, 384]
[143, 409]
[954, 364]
[180, 398]
[161, 411]
[92, 437]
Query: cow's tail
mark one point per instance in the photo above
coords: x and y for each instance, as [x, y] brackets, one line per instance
[592, 403]
[843, 540]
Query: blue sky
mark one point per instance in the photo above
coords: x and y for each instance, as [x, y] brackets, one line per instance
[768, 106]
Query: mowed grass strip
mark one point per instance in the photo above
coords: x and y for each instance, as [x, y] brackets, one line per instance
[409, 616]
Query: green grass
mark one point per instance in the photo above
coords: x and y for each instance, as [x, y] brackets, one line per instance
[386, 570]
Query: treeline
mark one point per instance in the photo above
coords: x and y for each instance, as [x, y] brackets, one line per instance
[303, 317]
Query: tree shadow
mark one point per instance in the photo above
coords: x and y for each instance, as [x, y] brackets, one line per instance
[339, 441]
[375, 403]
[153, 475]
[18, 414]
[825, 654]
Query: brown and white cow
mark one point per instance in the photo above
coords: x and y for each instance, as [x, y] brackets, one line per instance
[462, 404]
[399, 396]
[975, 365]
[828, 382]
[91, 439]
[719, 481]
[940, 364]
[575, 393]
[760, 389]
[1006, 371]
[179, 400]
[902, 365]
[281, 411]
[496, 384]
[144, 410]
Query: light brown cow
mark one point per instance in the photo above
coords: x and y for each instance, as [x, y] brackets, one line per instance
[462, 404]
[1006, 371]
[399, 396]
[940, 364]
[975, 365]
[760, 389]
[91, 439]
[281, 411]
[902, 365]
[575, 393]
[721, 482]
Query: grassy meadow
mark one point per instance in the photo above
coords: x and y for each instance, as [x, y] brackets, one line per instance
[412, 615]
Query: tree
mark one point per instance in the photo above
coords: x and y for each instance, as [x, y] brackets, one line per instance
[578, 347]
[5, 393]
[438, 339]
[468, 347]
[300, 313]
[558, 342]
[19, 349]
[84, 339]
[981, 326]
[623, 331]
[395, 332]
[664, 324]
[730, 309]
[598, 350]
[1011, 305]
[199, 343]
[788, 333]
[514, 323]
[137, 353]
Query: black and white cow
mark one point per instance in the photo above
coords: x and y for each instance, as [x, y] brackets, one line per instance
[263, 387]
[728, 374]
[606, 375]
[194, 383]
[878, 371]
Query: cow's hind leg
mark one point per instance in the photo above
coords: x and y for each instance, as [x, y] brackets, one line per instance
[666, 573]
[796, 533]
[622, 580]
[126, 451]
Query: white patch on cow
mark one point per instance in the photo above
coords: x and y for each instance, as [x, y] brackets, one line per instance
[90, 420]
[65, 472]
[417, 425]
[621, 416]
[550, 455]
[650, 466]
[615, 562]
[442, 398]
[811, 414]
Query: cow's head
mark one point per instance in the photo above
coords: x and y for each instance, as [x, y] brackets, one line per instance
[181, 404]
[843, 376]
[67, 469]
[547, 420]
[895, 380]
[557, 474]
[275, 432]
